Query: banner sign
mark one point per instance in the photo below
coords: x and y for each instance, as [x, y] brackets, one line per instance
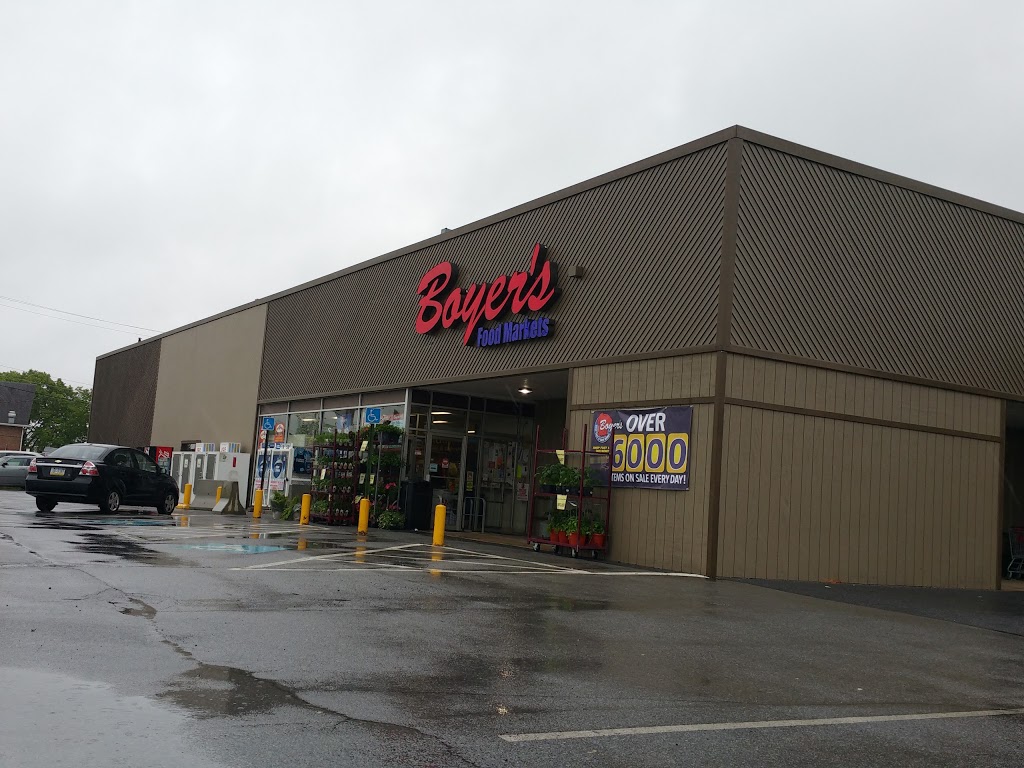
[650, 447]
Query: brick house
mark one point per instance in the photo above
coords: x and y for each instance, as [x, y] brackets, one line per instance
[15, 406]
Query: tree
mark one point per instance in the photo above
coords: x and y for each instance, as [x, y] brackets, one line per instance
[60, 413]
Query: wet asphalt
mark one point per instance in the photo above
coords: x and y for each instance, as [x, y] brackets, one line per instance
[201, 640]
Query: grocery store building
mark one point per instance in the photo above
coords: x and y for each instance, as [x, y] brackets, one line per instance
[849, 341]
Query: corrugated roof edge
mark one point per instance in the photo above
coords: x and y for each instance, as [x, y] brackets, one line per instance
[736, 131]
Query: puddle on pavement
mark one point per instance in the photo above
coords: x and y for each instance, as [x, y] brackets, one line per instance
[210, 690]
[57, 715]
[112, 545]
[238, 549]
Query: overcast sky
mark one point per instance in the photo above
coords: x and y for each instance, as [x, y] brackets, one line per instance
[163, 161]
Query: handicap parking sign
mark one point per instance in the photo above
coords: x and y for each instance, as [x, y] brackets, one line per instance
[268, 423]
[373, 415]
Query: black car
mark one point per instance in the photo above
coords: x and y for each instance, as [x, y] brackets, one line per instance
[107, 475]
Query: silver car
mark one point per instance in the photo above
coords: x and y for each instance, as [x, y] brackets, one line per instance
[14, 469]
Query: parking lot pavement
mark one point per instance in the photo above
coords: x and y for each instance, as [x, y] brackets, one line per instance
[229, 642]
[986, 609]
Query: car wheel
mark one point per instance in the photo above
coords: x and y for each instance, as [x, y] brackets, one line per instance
[112, 501]
[168, 504]
[45, 505]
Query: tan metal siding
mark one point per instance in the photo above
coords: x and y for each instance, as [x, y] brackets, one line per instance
[655, 529]
[209, 376]
[800, 386]
[812, 498]
[124, 391]
[662, 529]
[650, 245]
[651, 381]
[841, 268]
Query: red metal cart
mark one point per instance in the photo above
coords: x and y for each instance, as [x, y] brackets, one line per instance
[570, 499]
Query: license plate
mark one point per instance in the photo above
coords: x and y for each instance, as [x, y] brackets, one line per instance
[57, 472]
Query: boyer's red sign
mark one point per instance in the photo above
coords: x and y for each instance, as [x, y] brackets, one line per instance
[443, 304]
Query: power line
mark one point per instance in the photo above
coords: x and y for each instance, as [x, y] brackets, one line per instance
[65, 312]
[69, 320]
[16, 369]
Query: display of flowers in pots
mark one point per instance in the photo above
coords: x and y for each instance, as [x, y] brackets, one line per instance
[572, 531]
[597, 533]
[547, 477]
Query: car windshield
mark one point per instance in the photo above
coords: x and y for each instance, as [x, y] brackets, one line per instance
[86, 452]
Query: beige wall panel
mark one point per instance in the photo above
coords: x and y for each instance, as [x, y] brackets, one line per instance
[208, 381]
[661, 529]
[812, 498]
[798, 386]
[645, 381]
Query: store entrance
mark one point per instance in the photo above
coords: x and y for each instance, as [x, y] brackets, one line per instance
[446, 471]
[471, 448]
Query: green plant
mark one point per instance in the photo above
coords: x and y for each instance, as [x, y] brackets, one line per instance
[556, 521]
[571, 524]
[587, 527]
[278, 501]
[291, 508]
[596, 525]
[548, 474]
[391, 519]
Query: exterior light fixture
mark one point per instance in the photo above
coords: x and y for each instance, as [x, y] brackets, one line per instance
[11, 416]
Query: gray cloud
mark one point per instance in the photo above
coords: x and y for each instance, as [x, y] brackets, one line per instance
[164, 161]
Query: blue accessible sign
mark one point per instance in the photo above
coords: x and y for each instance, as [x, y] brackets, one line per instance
[268, 423]
[372, 416]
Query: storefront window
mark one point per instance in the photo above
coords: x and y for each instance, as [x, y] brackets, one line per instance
[418, 418]
[343, 419]
[394, 414]
[301, 429]
[446, 419]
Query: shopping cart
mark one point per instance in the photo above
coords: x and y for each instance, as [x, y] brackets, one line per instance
[1016, 565]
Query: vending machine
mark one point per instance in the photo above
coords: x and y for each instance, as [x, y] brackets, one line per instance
[279, 470]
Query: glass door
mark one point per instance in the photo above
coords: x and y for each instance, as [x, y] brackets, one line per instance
[446, 472]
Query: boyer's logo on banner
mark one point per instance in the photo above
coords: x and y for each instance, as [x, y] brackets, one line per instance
[650, 448]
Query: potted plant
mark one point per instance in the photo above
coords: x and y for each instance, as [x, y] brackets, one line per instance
[278, 501]
[572, 531]
[547, 477]
[555, 527]
[586, 530]
[568, 480]
[389, 433]
[597, 533]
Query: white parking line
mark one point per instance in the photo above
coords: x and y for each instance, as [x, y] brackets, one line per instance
[329, 556]
[697, 727]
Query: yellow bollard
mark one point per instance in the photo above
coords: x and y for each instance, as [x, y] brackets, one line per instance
[302, 543]
[439, 515]
[307, 501]
[220, 490]
[186, 502]
[257, 503]
[364, 516]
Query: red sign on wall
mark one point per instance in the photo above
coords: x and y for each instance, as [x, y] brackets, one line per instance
[444, 305]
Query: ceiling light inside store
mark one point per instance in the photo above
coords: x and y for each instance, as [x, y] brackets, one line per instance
[525, 390]
[440, 421]
[440, 413]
